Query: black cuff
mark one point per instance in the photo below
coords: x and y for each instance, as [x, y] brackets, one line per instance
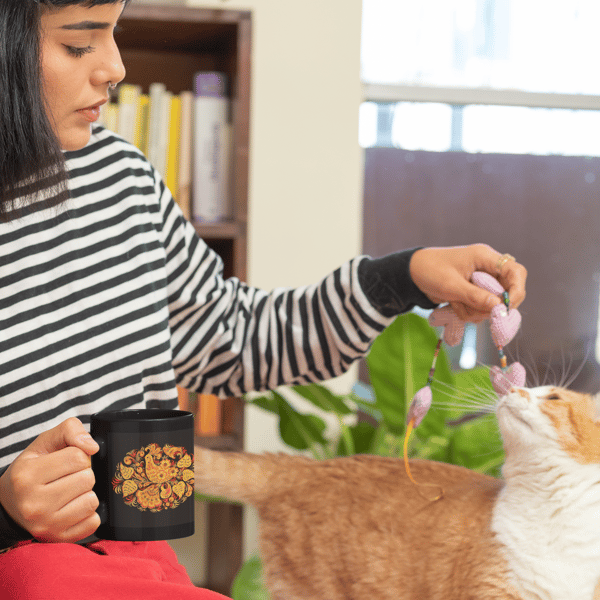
[387, 284]
[10, 532]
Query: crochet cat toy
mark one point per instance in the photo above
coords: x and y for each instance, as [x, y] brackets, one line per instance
[504, 324]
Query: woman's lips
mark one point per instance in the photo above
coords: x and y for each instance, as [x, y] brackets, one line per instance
[91, 113]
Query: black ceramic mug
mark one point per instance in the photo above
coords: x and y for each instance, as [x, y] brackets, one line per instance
[144, 474]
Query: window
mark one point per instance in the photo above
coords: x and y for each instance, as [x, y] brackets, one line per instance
[480, 128]
[511, 76]
[545, 46]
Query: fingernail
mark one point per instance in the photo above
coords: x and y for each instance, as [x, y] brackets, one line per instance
[86, 438]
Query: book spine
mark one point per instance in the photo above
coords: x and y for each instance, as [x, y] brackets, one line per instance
[210, 201]
[128, 105]
[154, 123]
[162, 145]
[111, 116]
[209, 409]
[172, 172]
[183, 399]
[141, 123]
[184, 184]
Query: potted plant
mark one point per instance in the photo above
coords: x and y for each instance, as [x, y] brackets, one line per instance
[454, 431]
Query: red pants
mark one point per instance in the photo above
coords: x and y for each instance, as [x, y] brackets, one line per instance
[103, 570]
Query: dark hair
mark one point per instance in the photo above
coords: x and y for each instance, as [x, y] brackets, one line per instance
[32, 164]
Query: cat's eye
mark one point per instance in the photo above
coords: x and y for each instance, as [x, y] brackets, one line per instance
[552, 397]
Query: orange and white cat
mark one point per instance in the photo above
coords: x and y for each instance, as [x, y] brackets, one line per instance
[357, 528]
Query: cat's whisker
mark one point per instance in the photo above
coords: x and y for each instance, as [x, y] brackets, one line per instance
[463, 407]
[450, 386]
[477, 396]
[569, 381]
[461, 404]
[565, 369]
[466, 410]
[531, 367]
[549, 370]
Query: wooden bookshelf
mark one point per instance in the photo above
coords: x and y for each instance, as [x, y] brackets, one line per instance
[169, 44]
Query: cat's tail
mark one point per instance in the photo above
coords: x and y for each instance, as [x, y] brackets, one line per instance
[237, 476]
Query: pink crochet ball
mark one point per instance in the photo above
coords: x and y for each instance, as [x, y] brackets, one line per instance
[504, 324]
[503, 381]
[419, 406]
[454, 328]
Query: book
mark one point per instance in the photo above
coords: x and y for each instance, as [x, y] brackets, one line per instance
[184, 184]
[183, 398]
[141, 123]
[169, 130]
[154, 125]
[209, 410]
[230, 422]
[210, 197]
[109, 116]
[172, 149]
[162, 141]
[128, 107]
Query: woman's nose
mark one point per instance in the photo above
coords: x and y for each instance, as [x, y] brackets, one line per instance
[112, 69]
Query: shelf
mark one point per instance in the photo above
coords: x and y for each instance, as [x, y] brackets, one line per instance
[228, 230]
[170, 44]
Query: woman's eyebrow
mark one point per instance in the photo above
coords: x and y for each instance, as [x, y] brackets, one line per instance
[86, 25]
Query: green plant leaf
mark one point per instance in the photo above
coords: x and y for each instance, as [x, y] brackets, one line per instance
[323, 398]
[300, 431]
[368, 407]
[267, 402]
[477, 445]
[363, 435]
[248, 583]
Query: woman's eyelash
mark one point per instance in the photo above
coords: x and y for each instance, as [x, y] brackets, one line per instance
[79, 52]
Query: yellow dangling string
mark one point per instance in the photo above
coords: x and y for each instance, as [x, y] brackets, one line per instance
[409, 429]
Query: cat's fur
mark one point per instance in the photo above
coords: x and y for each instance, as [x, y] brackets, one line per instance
[358, 528]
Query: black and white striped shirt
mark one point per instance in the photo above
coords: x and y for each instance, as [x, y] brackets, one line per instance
[112, 299]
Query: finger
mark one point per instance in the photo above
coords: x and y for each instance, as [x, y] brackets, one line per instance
[512, 275]
[68, 433]
[76, 520]
[467, 314]
[59, 464]
[64, 490]
[83, 529]
[38, 513]
[486, 259]
[513, 278]
[475, 299]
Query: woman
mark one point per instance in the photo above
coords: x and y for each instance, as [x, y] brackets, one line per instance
[108, 299]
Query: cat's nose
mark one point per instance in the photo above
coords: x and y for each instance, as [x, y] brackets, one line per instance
[523, 393]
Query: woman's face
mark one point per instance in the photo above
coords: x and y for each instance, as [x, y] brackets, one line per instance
[79, 59]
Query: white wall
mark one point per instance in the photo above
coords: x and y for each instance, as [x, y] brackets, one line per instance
[305, 164]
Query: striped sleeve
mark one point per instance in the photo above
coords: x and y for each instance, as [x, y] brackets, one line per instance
[229, 338]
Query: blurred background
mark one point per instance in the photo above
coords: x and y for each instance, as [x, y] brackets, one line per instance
[481, 124]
